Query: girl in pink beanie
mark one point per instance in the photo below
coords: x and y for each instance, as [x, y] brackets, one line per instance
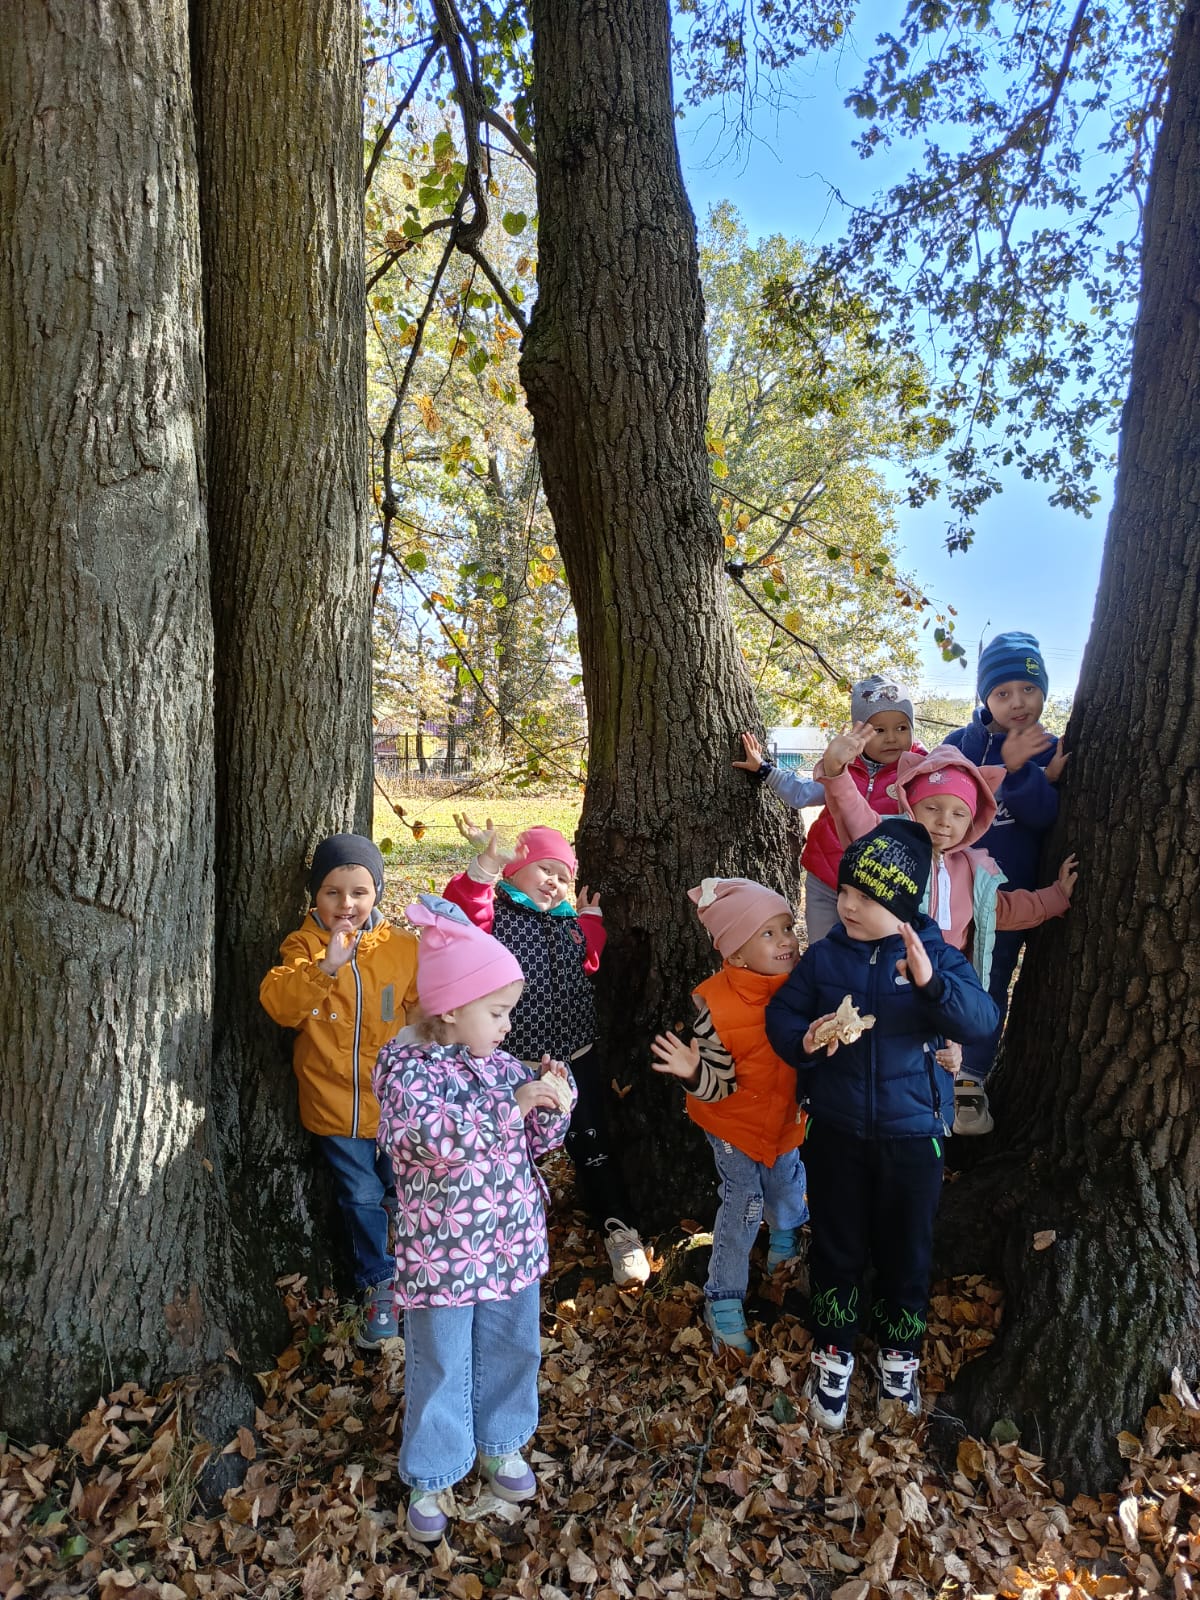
[464, 1122]
[522, 897]
[742, 1094]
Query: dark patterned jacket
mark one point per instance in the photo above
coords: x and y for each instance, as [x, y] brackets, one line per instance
[556, 1014]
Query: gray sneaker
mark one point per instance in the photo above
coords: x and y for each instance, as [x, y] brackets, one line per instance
[380, 1319]
[972, 1115]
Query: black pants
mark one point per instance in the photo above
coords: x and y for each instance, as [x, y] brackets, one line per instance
[872, 1201]
[598, 1182]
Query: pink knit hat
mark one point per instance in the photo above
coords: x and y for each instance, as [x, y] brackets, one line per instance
[456, 961]
[946, 780]
[734, 909]
[541, 844]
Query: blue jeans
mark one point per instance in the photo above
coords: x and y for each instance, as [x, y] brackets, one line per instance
[750, 1194]
[470, 1385]
[366, 1189]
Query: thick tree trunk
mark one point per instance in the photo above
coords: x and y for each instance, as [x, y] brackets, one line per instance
[281, 190]
[615, 369]
[105, 661]
[1099, 1092]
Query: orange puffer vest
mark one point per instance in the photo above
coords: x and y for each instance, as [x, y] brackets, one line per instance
[760, 1117]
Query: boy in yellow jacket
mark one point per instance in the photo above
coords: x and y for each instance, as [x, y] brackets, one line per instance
[345, 982]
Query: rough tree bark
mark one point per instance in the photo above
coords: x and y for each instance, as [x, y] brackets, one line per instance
[281, 207]
[105, 660]
[614, 367]
[1098, 1096]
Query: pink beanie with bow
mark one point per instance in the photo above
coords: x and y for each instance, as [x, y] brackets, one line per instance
[541, 844]
[734, 909]
[456, 961]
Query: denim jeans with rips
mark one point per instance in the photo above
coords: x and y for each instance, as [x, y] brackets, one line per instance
[751, 1194]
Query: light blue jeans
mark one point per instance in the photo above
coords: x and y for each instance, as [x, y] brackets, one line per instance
[470, 1386]
[750, 1194]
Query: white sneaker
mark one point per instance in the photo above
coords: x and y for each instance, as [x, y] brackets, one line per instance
[898, 1379]
[972, 1114]
[828, 1387]
[626, 1253]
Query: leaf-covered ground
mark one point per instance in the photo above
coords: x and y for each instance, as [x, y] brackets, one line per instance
[664, 1472]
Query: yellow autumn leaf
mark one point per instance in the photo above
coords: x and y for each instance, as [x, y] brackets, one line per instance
[743, 522]
[730, 542]
[428, 412]
[792, 621]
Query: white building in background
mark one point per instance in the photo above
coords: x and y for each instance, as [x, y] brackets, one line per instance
[796, 749]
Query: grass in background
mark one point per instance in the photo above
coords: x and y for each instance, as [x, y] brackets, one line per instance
[420, 866]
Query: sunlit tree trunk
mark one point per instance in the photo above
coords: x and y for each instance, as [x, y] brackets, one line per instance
[615, 369]
[106, 772]
[1098, 1139]
[278, 91]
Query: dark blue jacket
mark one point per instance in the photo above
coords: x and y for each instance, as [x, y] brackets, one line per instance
[1026, 802]
[887, 1084]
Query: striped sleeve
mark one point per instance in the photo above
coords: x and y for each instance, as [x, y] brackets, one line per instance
[718, 1076]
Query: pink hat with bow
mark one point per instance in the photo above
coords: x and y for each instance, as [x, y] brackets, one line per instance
[456, 961]
[734, 909]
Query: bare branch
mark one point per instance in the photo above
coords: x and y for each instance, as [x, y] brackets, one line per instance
[381, 143]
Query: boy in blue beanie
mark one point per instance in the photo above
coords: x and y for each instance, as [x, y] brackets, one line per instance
[1006, 731]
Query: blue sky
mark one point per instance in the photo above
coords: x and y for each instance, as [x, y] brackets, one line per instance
[1031, 566]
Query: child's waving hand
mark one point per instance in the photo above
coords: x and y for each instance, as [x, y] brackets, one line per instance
[1023, 744]
[492, 855]
[1054, 767]
[754, 754]
[586, 901]
[914, 964]
[673, 1056]
[1067, 874]
[845, 748]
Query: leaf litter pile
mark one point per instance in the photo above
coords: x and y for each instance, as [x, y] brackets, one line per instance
[664, 1471]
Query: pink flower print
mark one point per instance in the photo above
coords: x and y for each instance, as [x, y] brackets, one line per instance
[426, 1265]
[457, 1217]
[488, 1206]
[471, 1257]
[494, 1287]
[477, 1168]
[445, 1154]
[505, 1160]
[476, 1126]
[524, 1197]
[410, 1210]
[507, 1246]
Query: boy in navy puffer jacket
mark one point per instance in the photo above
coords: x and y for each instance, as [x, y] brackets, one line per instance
[880, 1111]
[1006, 730]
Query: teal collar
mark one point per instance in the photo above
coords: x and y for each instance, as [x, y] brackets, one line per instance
[564, 908]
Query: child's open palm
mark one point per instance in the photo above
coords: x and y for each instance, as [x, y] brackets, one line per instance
[585, 900]
[673, 1056]
[341, 947]
[754, 754]
[914, 964]
[845, 748]
[492, 855]
[1023, 744]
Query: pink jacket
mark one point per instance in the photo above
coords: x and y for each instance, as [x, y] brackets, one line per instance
[1015, 908]
[822, 852]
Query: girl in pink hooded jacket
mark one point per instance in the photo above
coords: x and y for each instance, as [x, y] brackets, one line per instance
[955, 802]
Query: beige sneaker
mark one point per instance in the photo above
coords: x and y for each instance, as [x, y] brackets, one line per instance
[972, 1113]
[626, 1253]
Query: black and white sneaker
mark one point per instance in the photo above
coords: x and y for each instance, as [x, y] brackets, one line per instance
[828, 1387]
[898, 1379]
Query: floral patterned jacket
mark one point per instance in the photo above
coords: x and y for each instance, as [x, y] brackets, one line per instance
[471, 1223]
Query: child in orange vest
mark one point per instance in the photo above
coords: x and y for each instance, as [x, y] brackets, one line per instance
[345, 983]
[741, 1093]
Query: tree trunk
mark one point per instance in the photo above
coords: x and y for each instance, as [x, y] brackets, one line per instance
[1098, 1094]
[281, 189]
[107, 916]
[615, 370]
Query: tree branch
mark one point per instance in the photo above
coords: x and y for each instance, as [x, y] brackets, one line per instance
[381, 143]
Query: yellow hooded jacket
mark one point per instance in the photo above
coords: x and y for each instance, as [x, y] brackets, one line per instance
[341, 1023]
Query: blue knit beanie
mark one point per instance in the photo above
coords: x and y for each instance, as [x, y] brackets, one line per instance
[1009, 658]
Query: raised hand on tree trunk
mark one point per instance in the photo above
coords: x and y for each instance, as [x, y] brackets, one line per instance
[754, 756]
[1068, 873]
